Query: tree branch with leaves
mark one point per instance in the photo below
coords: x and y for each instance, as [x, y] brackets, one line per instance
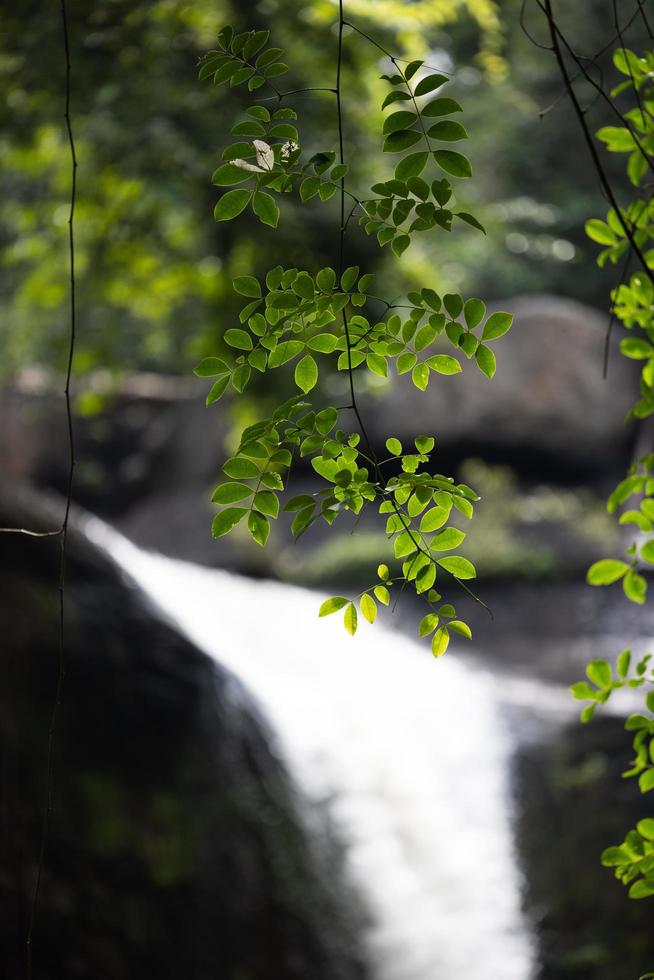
[326, 319]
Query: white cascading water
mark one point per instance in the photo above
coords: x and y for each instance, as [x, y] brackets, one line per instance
[410, 756]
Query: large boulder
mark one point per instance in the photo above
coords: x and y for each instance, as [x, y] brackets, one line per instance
[176, 846]
[548, 406]
[572, 804]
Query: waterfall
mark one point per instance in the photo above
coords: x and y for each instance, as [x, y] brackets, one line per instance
[409, 755]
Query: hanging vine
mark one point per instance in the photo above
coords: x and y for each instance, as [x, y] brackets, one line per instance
[625, 234]
[60, 532]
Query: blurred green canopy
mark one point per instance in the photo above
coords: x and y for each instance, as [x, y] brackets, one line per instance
[154, 270]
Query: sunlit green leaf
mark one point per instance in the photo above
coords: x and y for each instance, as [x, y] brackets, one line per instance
[231, 204]
[224, 521]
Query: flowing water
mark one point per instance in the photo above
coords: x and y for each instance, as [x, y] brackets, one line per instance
[411, 758]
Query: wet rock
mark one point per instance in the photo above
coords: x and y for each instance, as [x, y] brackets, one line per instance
[573, 804]
[548, 406]
[176, 845]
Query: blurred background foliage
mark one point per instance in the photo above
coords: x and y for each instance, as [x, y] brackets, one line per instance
[154, 270]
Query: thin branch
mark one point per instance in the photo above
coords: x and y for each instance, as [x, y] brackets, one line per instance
[343, 226]
[31, 534]
[599, 87]
[599, 167]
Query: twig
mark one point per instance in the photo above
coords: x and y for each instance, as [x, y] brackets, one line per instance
[63, 532]
[604, 181]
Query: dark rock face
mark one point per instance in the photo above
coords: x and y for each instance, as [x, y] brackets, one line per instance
[175, 846]
[574, 804]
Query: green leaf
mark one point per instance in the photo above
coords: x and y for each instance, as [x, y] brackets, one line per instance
[453, 163]
[395, 96]
[441, 107]
[306, 373]
[599, 672]
[646, 781]
[453, 304]
[247, 286]
[309, 188]
[647, 552]
[473, 311]
[642, 889]
[350, 619]
[470, 220]
[323, 343]
[420, 376]
[444, 364]
[397, 121]
[461, 628]
[240, 468]
[326, 279]
[240, 339]
[332, 605]
[636, 348]
[266, 502]
[382, 594]
[582, 691]
[411, 166]
[241, 376]
[264, 206]
[429, 84]
[434, 519]
[284, 352]
[623, 663]
[645, 828]
[404, 545]
[383, 572]
[377, 364]
[258, 359]
[440, 641]
[209, 367]
[412, 68]
[485, 360]
[400, 244]
[606, 572]
[299, 503]
[450, 538]
[258, 112]
[226, 520]
[497, 325]
[635, 587]
[402, 140]
[349, 278]
[231, 204]
[457, 566]
[368, 607]
[428, 624]
[448, 131]
[424, 444]
[227, 493]
[217, 390]
[600, 232]
[259, 527]
[229, 174]
[394, 446]
[326, 420]
[425, 336]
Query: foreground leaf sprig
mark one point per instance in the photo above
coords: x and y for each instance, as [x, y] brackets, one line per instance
[310, 322]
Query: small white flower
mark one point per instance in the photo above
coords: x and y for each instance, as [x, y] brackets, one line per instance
[288, 148]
